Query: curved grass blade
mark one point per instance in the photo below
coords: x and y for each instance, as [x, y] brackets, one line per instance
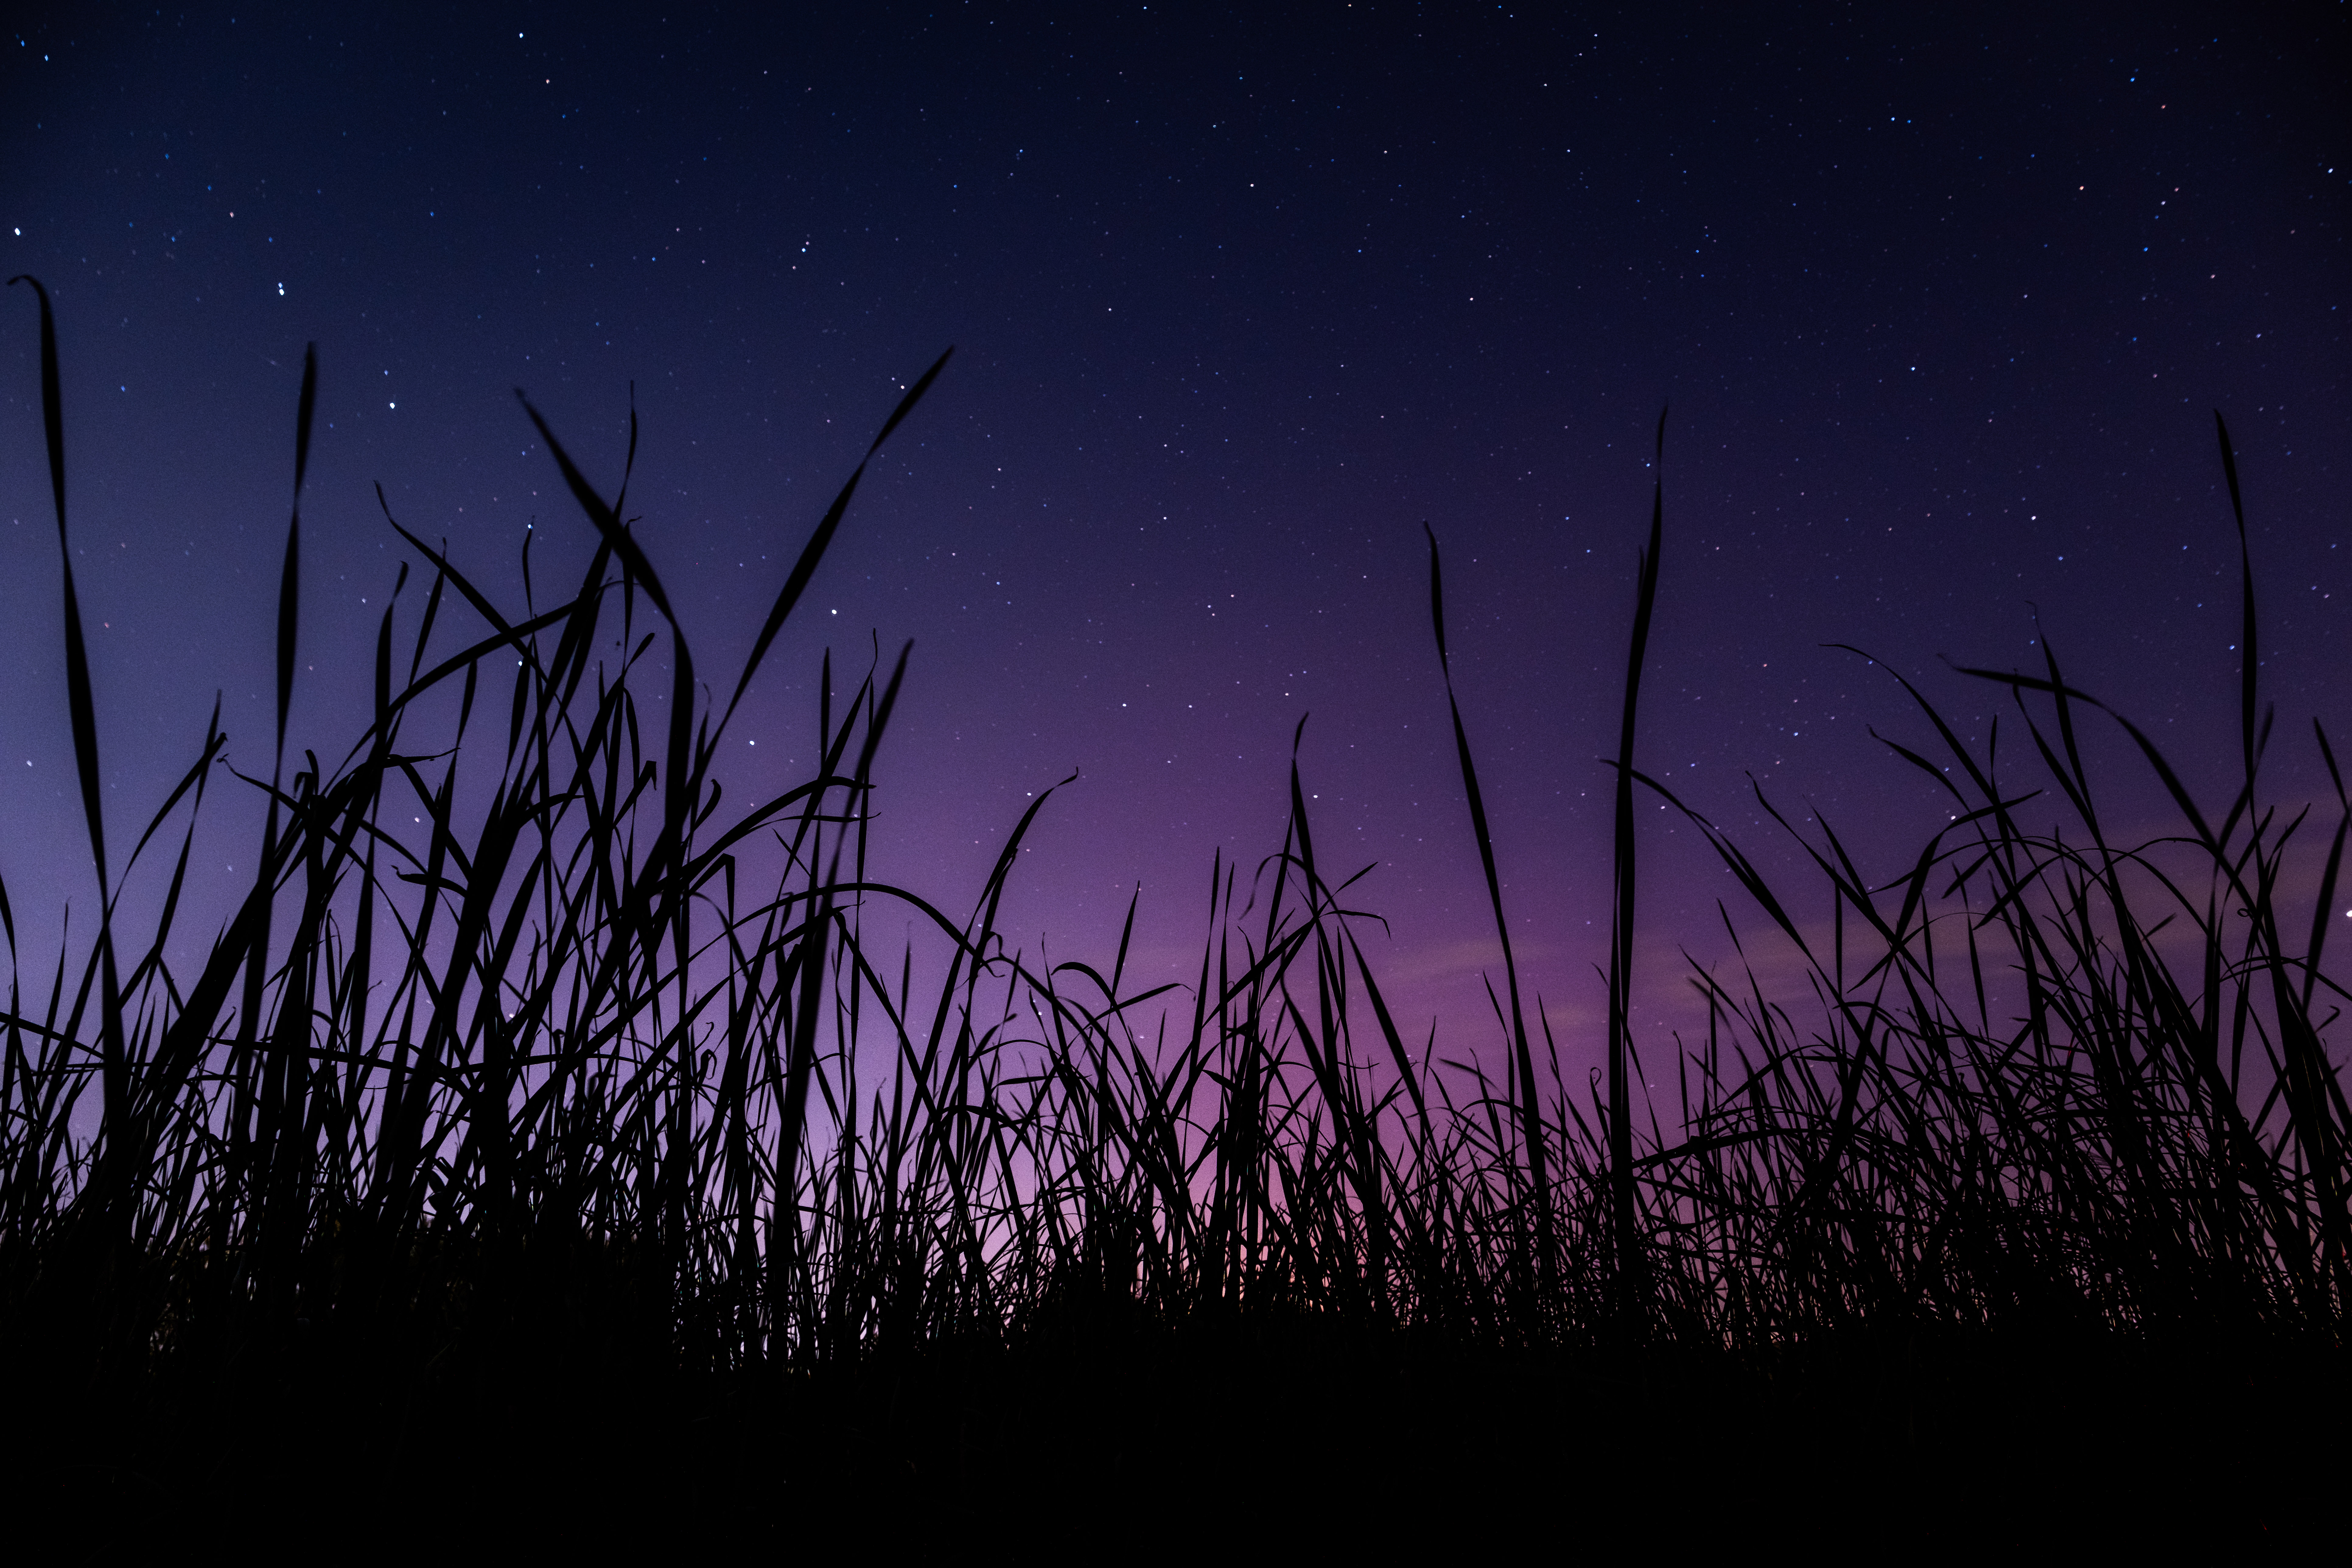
[114, 1066]
[1620, 939]
[2247, 662]
[814, 552]
[288, 582]
[77, 691]
[1530, 1106]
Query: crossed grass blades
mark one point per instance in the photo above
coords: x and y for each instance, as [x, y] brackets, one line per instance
[609, 1068]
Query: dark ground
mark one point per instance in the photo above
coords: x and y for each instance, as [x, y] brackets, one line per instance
[1138, 1441]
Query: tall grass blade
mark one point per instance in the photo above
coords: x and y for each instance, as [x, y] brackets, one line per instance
[1530, 1106]
[805, 569]
[289, 584]
[114, 1065]
[1621, 942]
[2248, 664]
[77, 689]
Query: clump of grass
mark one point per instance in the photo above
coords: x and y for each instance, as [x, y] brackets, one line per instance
[2111, 1158]
[609, 1074]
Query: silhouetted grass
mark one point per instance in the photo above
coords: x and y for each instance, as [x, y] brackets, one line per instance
[550, 1119]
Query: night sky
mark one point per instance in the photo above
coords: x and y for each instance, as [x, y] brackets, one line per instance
[1943, 310]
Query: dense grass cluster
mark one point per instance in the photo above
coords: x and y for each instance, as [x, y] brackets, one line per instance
[613, 1064]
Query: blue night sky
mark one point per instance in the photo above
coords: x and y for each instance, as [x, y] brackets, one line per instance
[1943, 307]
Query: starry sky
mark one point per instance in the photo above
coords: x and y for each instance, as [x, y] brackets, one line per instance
[1942, 305]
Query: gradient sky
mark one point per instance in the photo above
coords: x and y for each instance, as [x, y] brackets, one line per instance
[1943, 309]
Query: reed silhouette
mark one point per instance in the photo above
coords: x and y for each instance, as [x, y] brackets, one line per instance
[596, 1108]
